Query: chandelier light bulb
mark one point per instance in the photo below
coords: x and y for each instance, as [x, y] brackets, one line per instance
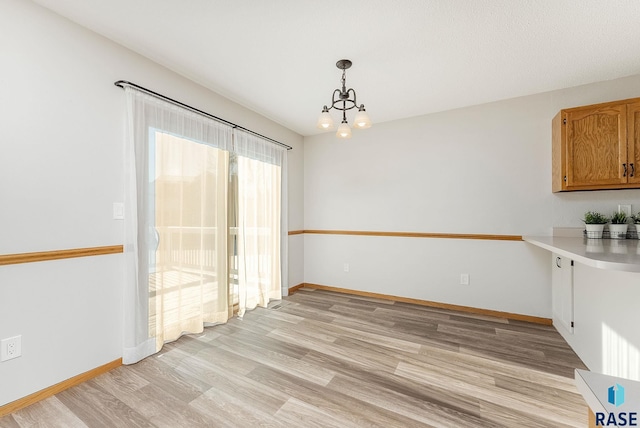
[344, 131]
[362, 120]
[325, 121]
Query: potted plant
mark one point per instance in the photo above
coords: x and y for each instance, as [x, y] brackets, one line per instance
[594, 223]
[636, 220]
[618, 226]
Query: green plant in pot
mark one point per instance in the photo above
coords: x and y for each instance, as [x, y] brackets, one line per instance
[618, 226]
[636, 220]
[594, 222]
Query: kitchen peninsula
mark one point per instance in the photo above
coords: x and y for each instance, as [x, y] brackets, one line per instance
[596, 300]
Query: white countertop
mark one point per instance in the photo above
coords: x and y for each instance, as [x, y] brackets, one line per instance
[594, 388]
[612, 254]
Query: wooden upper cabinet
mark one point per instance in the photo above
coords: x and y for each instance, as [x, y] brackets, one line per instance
[633, 139]
[596, 147]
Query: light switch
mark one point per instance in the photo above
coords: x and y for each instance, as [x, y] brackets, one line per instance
[118, 211]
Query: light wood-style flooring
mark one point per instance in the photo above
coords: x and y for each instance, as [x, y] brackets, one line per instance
[323, 359]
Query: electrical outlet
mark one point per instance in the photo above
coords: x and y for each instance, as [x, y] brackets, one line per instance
[464, 279]
[10, 348]
[346, 267]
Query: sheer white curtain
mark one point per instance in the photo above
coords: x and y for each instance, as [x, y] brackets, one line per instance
[201, 243]
[261, 237]
[188, 284]
[175, 223]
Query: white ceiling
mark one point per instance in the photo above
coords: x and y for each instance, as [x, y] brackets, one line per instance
[410, 57]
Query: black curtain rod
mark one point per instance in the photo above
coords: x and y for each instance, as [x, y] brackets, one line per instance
[123, 83]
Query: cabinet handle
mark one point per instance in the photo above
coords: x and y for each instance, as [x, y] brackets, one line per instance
[558, 262]
[633, 170]
[624, 173]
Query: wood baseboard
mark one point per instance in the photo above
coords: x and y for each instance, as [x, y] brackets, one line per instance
[468, 309]
[295, 288]
[59, 387]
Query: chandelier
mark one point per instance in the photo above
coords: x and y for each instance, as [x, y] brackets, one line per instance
[344, 99]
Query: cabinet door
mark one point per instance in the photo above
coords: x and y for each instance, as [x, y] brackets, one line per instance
[562, 292]
[633, 141]
[596, 146]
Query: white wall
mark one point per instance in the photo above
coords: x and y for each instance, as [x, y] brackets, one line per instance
[483, 169]
[296, 214]
[61, 119]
